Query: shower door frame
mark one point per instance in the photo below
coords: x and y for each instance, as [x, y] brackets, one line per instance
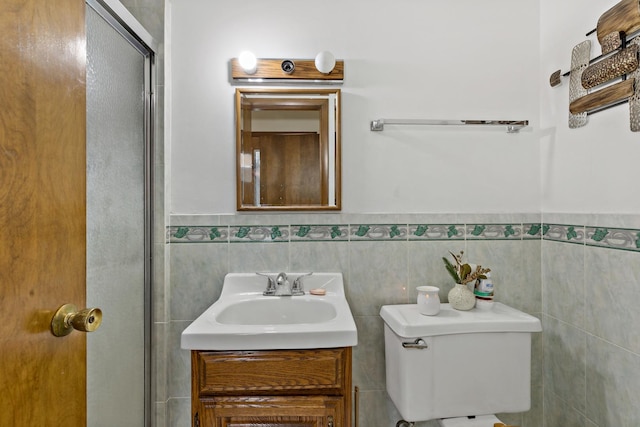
[114, 13]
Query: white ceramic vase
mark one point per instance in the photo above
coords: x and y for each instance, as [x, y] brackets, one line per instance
[428, 300]
[461, 297]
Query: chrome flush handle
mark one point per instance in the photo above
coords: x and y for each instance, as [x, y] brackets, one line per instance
[418, 344]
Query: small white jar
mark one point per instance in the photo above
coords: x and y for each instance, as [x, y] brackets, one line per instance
[428, 300]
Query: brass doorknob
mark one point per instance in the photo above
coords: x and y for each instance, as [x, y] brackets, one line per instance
[68, 318]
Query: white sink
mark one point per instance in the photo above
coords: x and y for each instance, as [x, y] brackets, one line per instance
[277, 311]
[244, 319]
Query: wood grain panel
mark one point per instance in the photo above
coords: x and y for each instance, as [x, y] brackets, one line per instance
[276, 411]
[624, 16]
[603, 97]
[42, 210]
[290, 172]
[305, 69]
[273, 372]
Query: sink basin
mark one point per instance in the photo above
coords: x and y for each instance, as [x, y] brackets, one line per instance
[277, 311]
[244, 319]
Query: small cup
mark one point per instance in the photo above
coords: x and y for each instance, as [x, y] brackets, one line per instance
[428, 300]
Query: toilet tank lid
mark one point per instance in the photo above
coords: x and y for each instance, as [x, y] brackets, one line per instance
[407, 322]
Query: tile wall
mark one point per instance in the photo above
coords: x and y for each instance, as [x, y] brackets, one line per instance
[591, 313]
[582, 281]
[382, 257]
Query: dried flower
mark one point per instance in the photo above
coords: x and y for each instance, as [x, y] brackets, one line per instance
[461, 272]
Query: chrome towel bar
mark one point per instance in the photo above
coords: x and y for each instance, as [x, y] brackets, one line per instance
[513, 126]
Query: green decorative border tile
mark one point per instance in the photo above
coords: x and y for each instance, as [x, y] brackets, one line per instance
[614, 238]
[604, 237]
[564, 233]
[532, 231]
[494, 232]
[436, 232]
[372, 232]
[198, 234]
[259, 234]
[320, 233]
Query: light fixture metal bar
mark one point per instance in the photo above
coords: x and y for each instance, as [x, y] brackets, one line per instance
[513, 126]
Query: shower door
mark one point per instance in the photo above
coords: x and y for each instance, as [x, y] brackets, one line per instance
[118, 221]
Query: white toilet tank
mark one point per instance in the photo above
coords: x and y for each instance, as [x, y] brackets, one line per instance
[458, 363]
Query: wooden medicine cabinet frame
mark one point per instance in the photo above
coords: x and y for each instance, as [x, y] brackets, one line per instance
[288, 155]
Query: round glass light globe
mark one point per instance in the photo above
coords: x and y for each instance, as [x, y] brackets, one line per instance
[248, 62]
[325, 62]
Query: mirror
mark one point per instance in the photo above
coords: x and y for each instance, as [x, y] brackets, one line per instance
[288, 149]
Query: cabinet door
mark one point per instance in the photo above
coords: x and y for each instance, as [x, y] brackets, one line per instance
[278, 411]
[271, 422]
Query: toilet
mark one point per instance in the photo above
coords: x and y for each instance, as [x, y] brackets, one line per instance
[458, 367]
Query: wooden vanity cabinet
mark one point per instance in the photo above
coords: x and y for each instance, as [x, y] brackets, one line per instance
[271, 388]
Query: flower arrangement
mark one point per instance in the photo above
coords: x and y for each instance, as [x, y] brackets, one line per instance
[462, 273]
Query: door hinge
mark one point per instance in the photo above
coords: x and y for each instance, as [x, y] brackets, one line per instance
[196, 420]
[330, 421]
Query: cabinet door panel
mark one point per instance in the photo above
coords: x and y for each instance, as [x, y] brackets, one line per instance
[302, 411]
[321, 371]
[232, 422]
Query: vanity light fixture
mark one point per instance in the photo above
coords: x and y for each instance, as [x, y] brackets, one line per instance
[323, 69]
[248, 62]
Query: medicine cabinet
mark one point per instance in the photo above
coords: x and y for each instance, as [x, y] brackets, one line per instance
[288, 149]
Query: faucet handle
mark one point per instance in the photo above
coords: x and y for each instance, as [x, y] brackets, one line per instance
[271, 284]
[297, 288]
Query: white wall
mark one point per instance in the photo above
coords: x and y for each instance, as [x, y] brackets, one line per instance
[593, 169]
[437, 59]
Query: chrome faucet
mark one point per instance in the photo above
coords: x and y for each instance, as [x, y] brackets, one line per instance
[280, 285]
[283, 287]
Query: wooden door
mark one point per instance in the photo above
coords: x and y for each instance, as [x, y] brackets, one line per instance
[42, 210]
[290, 168]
